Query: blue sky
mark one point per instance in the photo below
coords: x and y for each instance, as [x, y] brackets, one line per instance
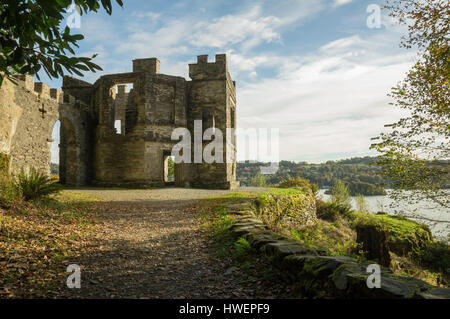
[312, 68]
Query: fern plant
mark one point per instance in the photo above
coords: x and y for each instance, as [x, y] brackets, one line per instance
[35, 185]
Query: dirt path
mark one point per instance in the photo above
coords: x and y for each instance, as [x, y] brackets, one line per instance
[151, 246]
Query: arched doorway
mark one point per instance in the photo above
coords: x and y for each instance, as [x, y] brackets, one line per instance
[68, 154]
[54, 150]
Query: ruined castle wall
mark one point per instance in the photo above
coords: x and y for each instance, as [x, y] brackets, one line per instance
[10, 114]
[81, 89]
[76, 144]
[231, 123]
[119, 159]
[165, 110]
[29, 112]
[27, 124]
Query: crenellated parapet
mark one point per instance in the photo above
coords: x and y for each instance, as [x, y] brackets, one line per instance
[44, 92]
[204, 70]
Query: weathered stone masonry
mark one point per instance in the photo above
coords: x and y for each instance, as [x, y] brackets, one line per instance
[28, 112]
[92, 151]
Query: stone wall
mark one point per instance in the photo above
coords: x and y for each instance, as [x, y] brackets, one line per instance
[29, 112]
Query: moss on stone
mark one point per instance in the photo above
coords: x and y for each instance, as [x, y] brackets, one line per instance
[405, 236]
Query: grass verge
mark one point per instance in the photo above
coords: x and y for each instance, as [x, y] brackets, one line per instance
[237, 252]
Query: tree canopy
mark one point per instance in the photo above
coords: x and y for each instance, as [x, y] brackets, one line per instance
[415, 152]
[34, 37]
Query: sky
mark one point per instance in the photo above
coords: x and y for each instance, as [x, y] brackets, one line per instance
[314, 69]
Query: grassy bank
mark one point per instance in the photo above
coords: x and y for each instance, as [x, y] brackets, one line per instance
[218, 219]
[413, 252]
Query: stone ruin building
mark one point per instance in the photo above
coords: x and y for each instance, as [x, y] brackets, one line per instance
[147, 105]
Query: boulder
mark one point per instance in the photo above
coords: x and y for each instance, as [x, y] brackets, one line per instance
[435, 293]
[281, 249]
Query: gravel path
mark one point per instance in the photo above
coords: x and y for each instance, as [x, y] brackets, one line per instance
[150, 245]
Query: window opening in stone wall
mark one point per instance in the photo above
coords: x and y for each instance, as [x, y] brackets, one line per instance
[123, 88]
[120, 94]
[118, 126]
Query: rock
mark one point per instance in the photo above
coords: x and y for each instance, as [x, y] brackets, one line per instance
[436, 293]
[326, 265]
[281, 249]
[249, 221]
[259, 239]
[395, 287]
[295, 263]
[237, 207]
[241, 212]
[242, 230]
[375, 243]
[354, 281]
[340, 276]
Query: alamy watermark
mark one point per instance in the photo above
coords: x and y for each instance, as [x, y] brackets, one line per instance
[74, 19]
[377, 19]
[255, 144]
[374, 280]
[74, 279]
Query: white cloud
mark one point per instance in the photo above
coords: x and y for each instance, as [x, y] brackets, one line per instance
[341, 2]
[148, 15]
[329, 103]
[251, 27]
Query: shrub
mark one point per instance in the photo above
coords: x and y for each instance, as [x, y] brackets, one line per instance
[334, 239]
[435, 255]
[259, 180]
[242, 248]
[35, 185]
[340, 195]
[283, 209]
[330, 211]
[8, 193]
[301, 183]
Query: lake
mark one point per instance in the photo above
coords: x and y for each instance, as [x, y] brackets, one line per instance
[436, 217]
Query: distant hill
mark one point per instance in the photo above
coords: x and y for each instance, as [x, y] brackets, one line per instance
[358, 173]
